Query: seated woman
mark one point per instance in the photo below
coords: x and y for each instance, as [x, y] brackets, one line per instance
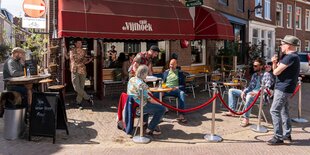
[151, 106]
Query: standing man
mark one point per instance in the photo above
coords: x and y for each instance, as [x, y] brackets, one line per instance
[144, 58]
[78, 72]
[112, 53]
[14, 67]
[286, 72]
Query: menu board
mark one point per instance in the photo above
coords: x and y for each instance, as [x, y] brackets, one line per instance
[32, 64]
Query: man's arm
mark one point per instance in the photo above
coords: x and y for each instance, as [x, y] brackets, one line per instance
[150, 69]
[277, 70]
[15, 69]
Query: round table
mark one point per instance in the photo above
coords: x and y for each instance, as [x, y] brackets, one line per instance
[160, 91]
[27, 82]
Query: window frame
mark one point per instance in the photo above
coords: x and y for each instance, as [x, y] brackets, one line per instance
[281, 15]
[299, 18]
[239, 2]
[267, 9]
[257, 14]
[289, 16]
[307, 20]
[307, 45]
[224, 3]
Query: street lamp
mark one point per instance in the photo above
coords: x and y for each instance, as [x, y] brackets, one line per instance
[258, 7]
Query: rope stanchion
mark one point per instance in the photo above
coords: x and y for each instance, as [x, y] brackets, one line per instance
[140, 139]
[212, 137]
[183, 110]
[299, 119]
[259, 127]
[242, 112]
[296, 89]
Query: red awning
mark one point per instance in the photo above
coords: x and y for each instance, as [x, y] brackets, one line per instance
[210, 24]
[124, 19]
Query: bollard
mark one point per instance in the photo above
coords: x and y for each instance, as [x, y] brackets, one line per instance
[140, 139]
[259, 127]
[212, 137]
[299, 119]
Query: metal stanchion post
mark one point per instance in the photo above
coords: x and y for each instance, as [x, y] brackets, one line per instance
[299, 119]
[259, 127]
[141, 139]
[212, 137]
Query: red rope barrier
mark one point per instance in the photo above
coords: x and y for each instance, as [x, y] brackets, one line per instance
[183, 110]
[242, 112]
[268, 92]
[295, 91]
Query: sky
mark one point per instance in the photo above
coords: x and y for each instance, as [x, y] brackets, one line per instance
[13, 6]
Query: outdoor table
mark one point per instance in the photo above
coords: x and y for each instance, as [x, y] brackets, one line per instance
[27, 82]
[161, 91]
[232, 84]
[206, 74]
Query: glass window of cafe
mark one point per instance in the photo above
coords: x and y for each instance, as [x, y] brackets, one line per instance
[198, 52]
[126, 48]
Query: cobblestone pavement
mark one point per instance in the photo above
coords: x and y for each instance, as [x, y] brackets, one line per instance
[93, 131]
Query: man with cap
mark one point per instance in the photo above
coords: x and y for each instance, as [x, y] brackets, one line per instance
[286, 72]
[144, 58]
[14, 67]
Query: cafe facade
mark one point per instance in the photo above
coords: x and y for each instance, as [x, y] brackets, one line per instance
[133, 26]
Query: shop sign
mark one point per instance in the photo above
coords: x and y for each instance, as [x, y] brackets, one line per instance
[34, 23]
[191, 3]
[142, 25]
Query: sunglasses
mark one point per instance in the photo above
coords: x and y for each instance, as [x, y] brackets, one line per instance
[255, 65]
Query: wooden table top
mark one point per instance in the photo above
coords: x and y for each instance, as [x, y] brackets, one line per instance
[56, 87]
[24, 80]
[231, 84]
[158, 90]
[46, 81]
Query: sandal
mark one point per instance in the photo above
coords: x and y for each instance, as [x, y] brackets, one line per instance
[244, 123]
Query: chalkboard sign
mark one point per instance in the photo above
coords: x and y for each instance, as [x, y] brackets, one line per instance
[32, 64]
[47, 114]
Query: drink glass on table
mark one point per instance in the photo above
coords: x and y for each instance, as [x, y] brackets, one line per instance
[154, 84]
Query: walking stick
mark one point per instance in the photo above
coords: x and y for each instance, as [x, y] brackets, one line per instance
[140, 139]
[212, 137]
[299, 119]
[259, 127]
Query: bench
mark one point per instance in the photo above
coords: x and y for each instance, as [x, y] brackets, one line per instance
[108, 79]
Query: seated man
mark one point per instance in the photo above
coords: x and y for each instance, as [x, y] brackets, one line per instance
[150, 105]
[14, 67]
[175, 79]
[250, 92]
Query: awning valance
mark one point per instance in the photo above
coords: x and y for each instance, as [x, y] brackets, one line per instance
[210, 24]
[124, 19]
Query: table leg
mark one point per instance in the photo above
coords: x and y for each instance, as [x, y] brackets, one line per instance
[29, 94]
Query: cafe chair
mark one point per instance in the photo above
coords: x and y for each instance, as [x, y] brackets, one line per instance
[217, 78]
[173, 99]
[45, 83]
[190, 84]
[241, 103]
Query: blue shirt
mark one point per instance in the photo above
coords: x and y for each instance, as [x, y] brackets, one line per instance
[287, 80]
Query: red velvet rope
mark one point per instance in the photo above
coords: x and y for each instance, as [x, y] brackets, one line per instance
[268, 92]
[295, 91]
[242, 112]
[183, 110]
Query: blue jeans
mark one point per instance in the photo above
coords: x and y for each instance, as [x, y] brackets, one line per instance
[157, 111]
[176, 93]
[233, 94]
[280, 114]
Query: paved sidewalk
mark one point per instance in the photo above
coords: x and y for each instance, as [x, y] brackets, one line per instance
[93, 131]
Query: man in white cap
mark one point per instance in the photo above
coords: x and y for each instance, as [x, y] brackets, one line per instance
[286, 72]
[14, 67]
